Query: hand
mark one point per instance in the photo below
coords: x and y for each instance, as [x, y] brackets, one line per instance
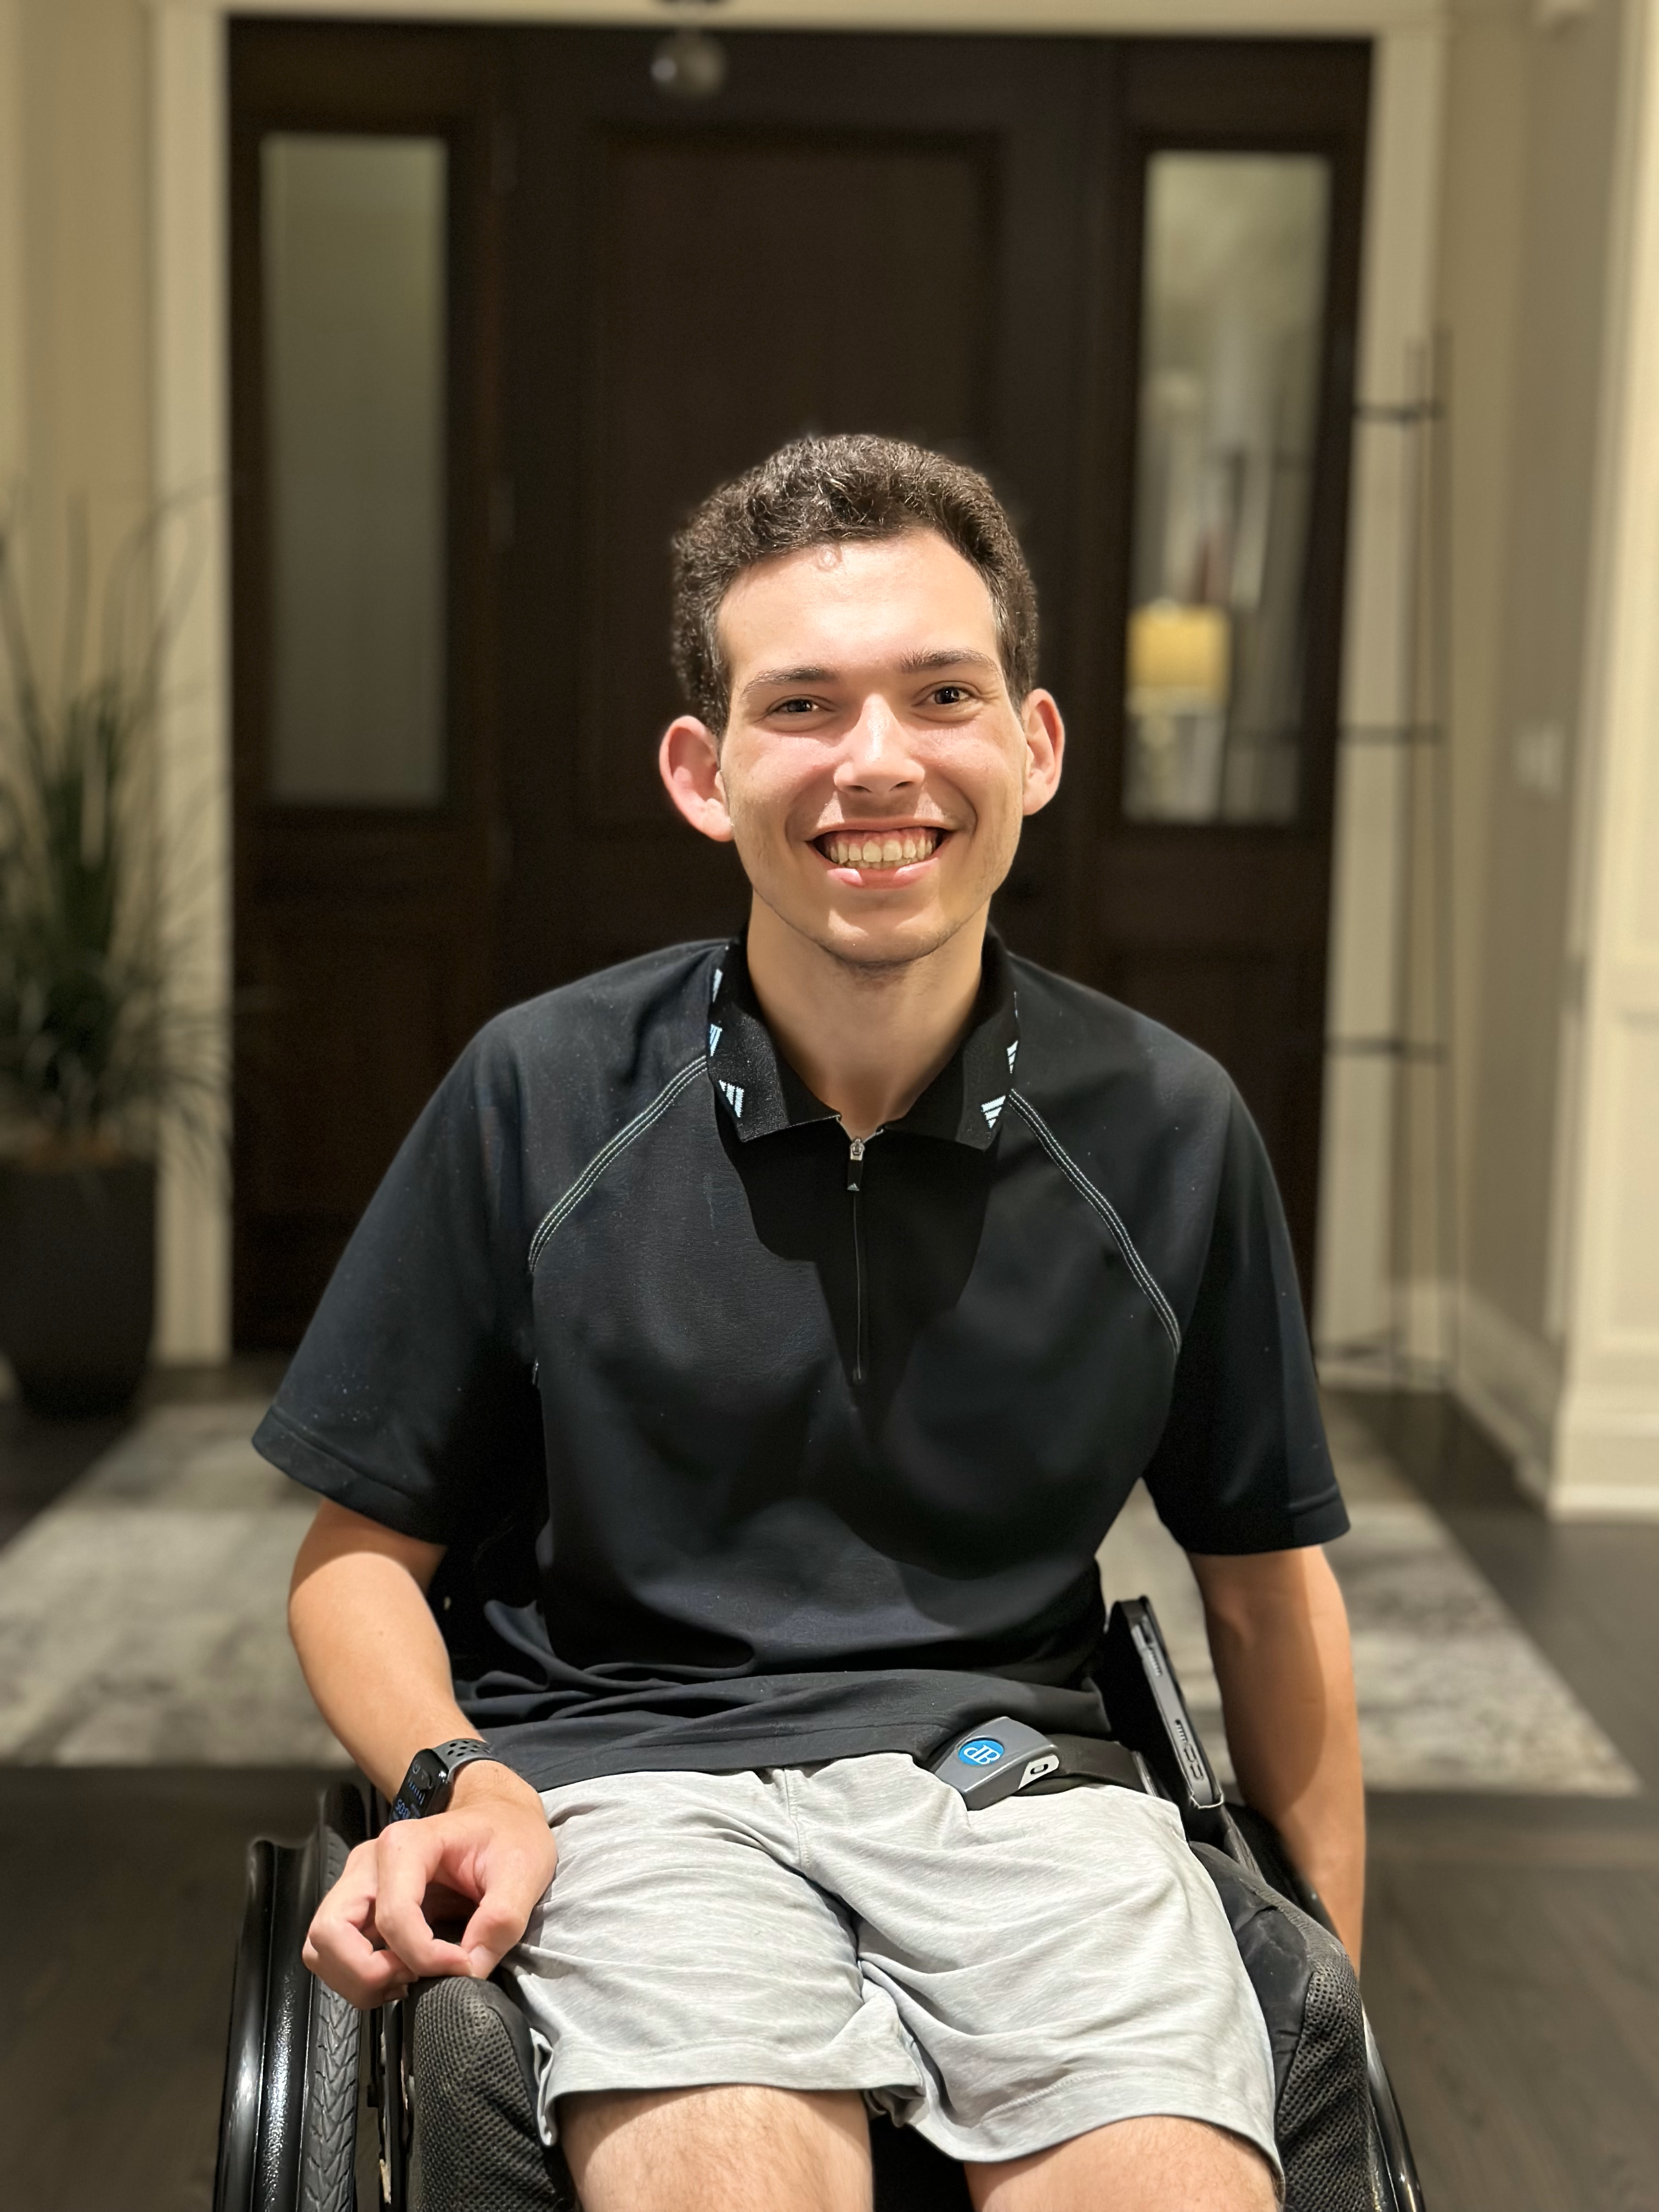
[487, 1860]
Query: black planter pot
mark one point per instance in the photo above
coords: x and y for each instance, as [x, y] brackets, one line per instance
[77, 1281]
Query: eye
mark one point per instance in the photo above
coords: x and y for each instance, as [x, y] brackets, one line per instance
[950, 694]
[794, 706]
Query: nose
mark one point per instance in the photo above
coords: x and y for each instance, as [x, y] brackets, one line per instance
[876, 760]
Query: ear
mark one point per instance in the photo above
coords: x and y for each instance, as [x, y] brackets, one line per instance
[689, 761]
[1045, 748]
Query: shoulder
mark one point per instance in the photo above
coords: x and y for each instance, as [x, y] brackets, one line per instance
[1145, 1117]
[547, 1085]
[609, 1033]
[1089, 1058]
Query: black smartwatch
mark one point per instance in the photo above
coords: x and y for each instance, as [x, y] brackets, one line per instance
[431, 1777]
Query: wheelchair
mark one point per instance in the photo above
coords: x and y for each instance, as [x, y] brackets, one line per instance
[443, 2080]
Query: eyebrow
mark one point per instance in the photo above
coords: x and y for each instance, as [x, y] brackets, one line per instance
[912, 663]
[769, 676]
[948, 656]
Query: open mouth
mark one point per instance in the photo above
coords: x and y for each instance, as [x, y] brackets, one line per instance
[879, 848]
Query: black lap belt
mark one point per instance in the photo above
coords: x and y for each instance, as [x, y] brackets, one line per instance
[1004, 1756]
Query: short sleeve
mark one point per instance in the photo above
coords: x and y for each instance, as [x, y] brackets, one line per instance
[1242, 1464]
[392, 1404]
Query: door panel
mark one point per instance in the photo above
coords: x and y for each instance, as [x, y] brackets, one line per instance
[1207, 919]
[855, 233]
[707, 357]
[364, 218]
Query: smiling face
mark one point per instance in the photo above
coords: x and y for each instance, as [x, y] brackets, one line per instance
[873, 772]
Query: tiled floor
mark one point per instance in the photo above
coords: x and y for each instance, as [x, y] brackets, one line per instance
[152, 1718]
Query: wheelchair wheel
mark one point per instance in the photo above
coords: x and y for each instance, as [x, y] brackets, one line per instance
[287, 2122]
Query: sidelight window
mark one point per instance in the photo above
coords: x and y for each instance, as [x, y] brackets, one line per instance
[1232, 304]
[355, 231]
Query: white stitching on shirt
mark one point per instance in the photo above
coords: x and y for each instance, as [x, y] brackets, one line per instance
[1108, 1213]
[558, 1214]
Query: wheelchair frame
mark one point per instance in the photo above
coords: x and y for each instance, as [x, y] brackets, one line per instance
[294, 2069]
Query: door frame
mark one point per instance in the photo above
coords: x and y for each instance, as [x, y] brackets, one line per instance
[191, 415]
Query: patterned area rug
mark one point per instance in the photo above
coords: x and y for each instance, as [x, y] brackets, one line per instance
[142, 1621]
[1453, 1694]
[142, 1617]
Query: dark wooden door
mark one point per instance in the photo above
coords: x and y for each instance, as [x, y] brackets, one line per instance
[365, 168]
[1217, 923]
[942, 238]
[873, 233]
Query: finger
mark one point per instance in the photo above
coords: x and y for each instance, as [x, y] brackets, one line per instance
[515, 1883]
[410, 1857]
[355, 1970]
[339, 1947]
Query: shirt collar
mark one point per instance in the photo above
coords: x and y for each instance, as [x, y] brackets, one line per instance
[762, 1093]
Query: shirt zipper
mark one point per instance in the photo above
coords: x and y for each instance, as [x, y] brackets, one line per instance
[856, 1151]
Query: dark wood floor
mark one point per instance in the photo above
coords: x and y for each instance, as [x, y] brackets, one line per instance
[1512, 1975]
[124, 1892]
[1512, 1945]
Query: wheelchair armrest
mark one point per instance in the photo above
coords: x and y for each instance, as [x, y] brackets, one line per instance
[1145, 1709]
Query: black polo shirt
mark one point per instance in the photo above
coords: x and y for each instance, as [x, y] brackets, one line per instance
[750, 1451]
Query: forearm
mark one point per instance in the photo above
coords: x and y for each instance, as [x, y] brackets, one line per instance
[368, 1646]
[1278, 1635]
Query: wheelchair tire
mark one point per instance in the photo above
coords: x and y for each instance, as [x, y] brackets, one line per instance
[334, 2039]
[288, 2120]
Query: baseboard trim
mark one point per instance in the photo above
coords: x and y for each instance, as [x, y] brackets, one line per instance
[1607, 1460]
[1579, 1455]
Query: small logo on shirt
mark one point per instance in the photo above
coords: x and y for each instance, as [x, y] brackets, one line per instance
[980, 1751]
[734, 1097]
[714, 990]
[714, 1034]
[1012, 1049]
[991, 1108]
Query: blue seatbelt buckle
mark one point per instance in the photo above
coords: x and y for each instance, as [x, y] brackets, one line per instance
[992, 1761]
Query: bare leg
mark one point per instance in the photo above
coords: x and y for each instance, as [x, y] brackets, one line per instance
[730, 2149]
[1152, 2165]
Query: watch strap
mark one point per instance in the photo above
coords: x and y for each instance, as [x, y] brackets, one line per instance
[431, 1777]
[461, 1751]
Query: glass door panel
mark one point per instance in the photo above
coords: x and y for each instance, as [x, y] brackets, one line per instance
[355, 315]
[1231, 339]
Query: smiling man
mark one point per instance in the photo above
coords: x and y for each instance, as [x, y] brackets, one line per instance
[747, 1353]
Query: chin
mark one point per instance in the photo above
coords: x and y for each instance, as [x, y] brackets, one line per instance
[869, 942]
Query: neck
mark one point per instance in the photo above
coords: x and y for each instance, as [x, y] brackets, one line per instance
[866, 1040]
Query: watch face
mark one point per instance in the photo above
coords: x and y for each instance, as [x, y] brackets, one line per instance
[426, 1776]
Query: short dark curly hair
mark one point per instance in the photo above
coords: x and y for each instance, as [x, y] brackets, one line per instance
[828, 491]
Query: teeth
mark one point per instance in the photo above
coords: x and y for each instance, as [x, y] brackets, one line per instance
[893, 849]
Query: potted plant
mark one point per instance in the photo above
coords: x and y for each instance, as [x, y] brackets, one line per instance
[94, 1051]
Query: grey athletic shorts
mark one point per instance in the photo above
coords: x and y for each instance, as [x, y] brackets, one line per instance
[1001, 1980]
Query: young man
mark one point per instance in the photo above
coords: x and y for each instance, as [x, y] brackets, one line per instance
[816, 1300]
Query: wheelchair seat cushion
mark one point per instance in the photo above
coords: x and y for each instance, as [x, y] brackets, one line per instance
[1306, 1987]
[474, 2140]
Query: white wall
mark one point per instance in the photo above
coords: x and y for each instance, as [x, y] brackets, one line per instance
[1539, 285]
[1606, 1456]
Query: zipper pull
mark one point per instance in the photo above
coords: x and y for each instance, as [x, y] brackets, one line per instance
[855, 1163]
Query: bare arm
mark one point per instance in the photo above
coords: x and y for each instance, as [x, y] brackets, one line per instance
[1278, 1635]
[377, 1666]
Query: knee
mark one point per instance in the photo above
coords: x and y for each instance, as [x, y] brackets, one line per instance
[732, 2147]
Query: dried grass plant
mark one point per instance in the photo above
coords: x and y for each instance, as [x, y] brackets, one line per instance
[97, 1045]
